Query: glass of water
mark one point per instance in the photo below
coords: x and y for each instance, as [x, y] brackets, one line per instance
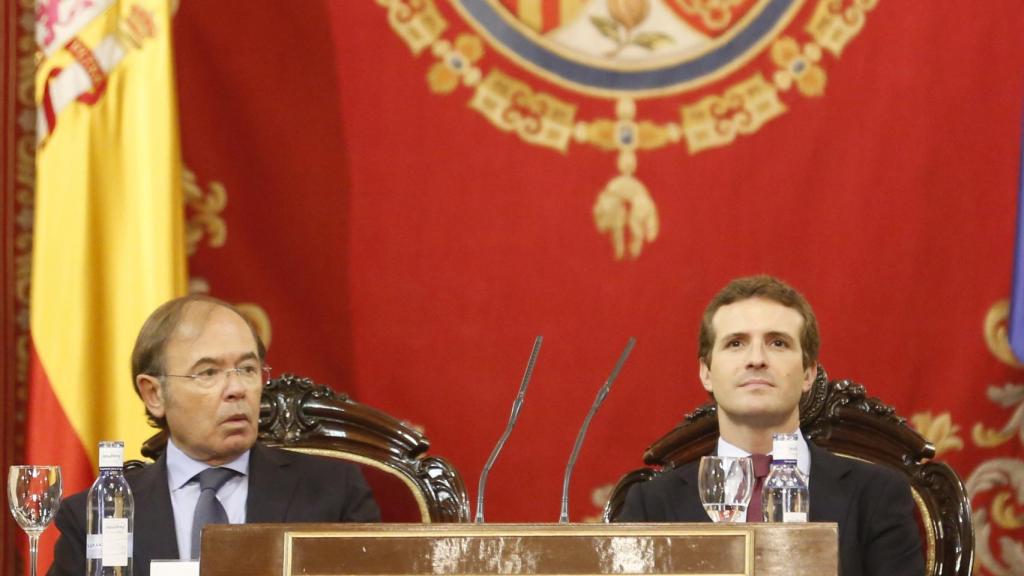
[34, 494]
[725, 484]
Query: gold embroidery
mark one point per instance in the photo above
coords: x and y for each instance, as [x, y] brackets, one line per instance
[456, 62]
[799, 66]
[939, 430]
[997, 336]
[1004, 513]
[204, 217]
[1007, 396]
[416, 21]
[742, 109]
[513, 106]
[624, 209]
[1000, 478]
[259, 319]
[836, 22]
[987, 437]
[1004, 478]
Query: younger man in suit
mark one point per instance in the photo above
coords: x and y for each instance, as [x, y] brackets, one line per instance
[758, 354]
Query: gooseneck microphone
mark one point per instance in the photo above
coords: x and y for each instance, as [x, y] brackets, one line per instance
[601, 394]
[508, 430]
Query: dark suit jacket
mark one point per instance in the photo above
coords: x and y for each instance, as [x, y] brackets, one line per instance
[872, 505]
[283, 487]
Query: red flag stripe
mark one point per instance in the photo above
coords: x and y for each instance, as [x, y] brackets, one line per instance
[52, 440]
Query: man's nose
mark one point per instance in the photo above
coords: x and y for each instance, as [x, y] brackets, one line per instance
[756, 357]
[235, 386]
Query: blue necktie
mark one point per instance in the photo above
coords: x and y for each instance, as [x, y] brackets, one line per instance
[208, 508]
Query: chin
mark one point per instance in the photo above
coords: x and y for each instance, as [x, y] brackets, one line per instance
[238, 444]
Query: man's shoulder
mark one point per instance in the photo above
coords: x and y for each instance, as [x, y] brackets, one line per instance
[306, 462]
[865, 472]
[671, 479]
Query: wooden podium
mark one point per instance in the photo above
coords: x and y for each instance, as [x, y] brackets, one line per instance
[544, 549]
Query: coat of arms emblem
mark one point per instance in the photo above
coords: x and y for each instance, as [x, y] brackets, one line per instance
[726, 66]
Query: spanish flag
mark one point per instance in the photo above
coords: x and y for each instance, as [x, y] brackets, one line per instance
[109, 238]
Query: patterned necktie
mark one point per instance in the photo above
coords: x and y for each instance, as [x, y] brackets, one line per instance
[762, 465]
[208, 508]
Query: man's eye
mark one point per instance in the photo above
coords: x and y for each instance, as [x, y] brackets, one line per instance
[248, 369]
[733, 344]
[209, 373]
[780, 343]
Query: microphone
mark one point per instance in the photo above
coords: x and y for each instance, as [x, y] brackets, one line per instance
[479, 519]
[601, 394]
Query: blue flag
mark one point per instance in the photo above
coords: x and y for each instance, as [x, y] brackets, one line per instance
[1017, 294]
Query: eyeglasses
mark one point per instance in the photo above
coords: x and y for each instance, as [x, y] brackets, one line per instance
[247, 373]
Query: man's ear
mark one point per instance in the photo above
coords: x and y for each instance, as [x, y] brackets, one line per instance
[810, 374]
[152, 392]
[705, 376]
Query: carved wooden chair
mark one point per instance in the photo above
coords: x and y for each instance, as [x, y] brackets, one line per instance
[408, 485]
[839, 416]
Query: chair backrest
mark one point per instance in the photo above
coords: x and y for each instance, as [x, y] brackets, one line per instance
[298, 414]
[839, 416]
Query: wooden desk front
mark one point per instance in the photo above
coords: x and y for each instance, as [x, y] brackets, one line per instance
[514, 549]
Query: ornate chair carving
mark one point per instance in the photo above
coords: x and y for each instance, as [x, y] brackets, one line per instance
[297, 414]
[838, 415]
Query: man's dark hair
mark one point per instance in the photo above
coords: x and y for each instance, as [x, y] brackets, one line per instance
[150, 344]
[769, 288]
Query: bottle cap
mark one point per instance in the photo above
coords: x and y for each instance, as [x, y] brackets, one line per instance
[785, 447]
[111, 454]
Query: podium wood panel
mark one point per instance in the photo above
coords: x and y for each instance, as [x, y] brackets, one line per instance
[519, 549]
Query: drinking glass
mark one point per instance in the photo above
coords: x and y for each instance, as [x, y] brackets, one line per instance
[34, 493]
[725, 484]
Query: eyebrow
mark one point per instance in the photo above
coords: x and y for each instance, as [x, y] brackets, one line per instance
[746, 336]
[209, 360]
[734, 336]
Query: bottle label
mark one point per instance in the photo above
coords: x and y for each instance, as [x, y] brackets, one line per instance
[111, 457]
[794, 516]
[94, 547]
[115, 541]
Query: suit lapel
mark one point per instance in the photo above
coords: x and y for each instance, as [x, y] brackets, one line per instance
[154, 534]
[271, 487]
[829, 501]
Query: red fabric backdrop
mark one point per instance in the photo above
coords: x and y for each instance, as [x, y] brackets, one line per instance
[406, 251]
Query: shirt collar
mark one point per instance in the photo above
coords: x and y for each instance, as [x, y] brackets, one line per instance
[803, 453]
[181, 468]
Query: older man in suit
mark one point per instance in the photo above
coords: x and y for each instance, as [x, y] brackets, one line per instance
[758, 353]
[198, 366]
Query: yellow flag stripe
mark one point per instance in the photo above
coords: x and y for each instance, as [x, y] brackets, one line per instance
[109, 238]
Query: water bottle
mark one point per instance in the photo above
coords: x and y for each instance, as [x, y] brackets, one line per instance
[109, 516]
[785, 497]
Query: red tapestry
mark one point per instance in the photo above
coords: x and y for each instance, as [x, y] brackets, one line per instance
[406, 196]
